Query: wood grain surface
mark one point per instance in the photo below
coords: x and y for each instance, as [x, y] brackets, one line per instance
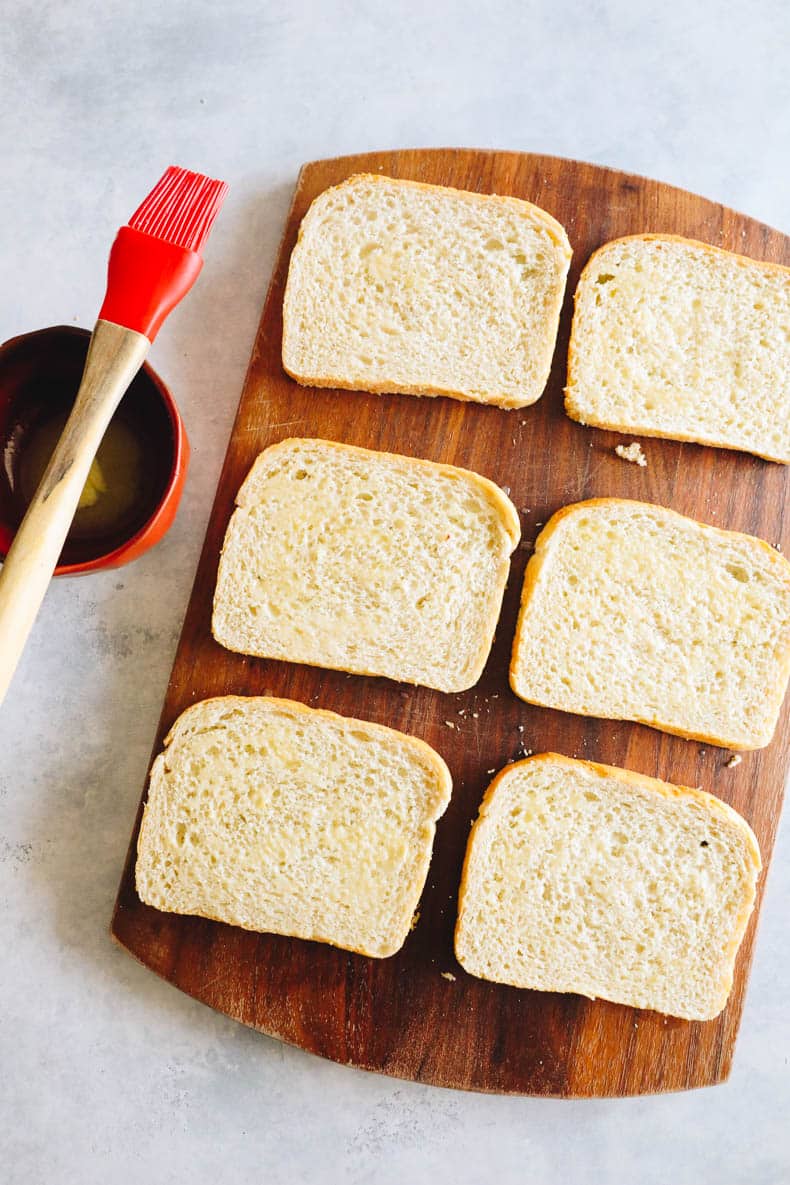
[400, 1016]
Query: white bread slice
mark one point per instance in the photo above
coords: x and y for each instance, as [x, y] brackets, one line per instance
[591, 879]
[399, 286]
[630, 611]
[366, 562]
[276, 817]
[674, 338]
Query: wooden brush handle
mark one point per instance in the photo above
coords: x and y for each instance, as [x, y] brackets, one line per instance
[114, 357]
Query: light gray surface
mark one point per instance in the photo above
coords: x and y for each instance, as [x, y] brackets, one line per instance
[109, 1075]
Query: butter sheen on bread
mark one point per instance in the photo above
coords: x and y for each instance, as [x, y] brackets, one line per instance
[587, 878]
[404, 287]
[269, 815]
[630, 611]
[675, 338]
[366, 562]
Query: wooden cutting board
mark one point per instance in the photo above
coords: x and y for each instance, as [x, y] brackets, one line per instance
[401, 1016]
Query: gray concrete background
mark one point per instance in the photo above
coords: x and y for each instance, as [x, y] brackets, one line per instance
[108, 1075]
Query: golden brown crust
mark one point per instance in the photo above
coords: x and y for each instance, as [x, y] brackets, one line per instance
[363, 672]
[368, 954]
[653, 237]
[555, 228]
[419, 390]
[493, 494]
[386, 953]
[291, 705]
[666, 790]
[592, 421]
[532, 574]
[550, 224]
[624, 429]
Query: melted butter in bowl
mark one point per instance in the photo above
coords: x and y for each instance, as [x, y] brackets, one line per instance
[135, 482]
[113, 486]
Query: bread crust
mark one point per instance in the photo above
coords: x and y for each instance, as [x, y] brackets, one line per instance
[551, 225]
[419, 747]
[666, 790]
[504, 508]
[532, 574]
[429, 392]
[493, 493]
[635, 429]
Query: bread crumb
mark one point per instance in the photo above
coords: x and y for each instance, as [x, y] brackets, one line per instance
[448, 975]
[475, 715]
[491, 771]
[777, 547]
[736, 759]
[633, 453]
[414, 920]
[449, 723]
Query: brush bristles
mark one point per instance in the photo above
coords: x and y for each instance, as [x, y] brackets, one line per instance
[181, 208]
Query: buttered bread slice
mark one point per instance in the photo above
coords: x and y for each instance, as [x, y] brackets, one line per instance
[399, 286]
[632, 612]
[674, 338]
[276, 817]
[591, 879]
[365, 562]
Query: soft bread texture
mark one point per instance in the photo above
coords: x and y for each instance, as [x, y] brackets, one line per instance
[632, 612]
[674, 338]
[366, 562]
[591, 879]
[276, 817]
[399, 286]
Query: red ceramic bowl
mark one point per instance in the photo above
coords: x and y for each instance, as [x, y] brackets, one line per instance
[39, 376]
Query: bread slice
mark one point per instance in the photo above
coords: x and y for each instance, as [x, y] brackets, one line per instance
[586, 878]
[632, 612]
[675, 338]
[399, 286]
[365, 562]
[276, 817]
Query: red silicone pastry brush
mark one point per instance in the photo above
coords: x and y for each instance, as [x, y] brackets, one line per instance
[154, 262]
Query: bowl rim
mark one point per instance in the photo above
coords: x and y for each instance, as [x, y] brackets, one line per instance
[137, 542]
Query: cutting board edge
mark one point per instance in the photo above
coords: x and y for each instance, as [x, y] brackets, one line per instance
[640, 178]
[166, 717]
[428, 1079]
